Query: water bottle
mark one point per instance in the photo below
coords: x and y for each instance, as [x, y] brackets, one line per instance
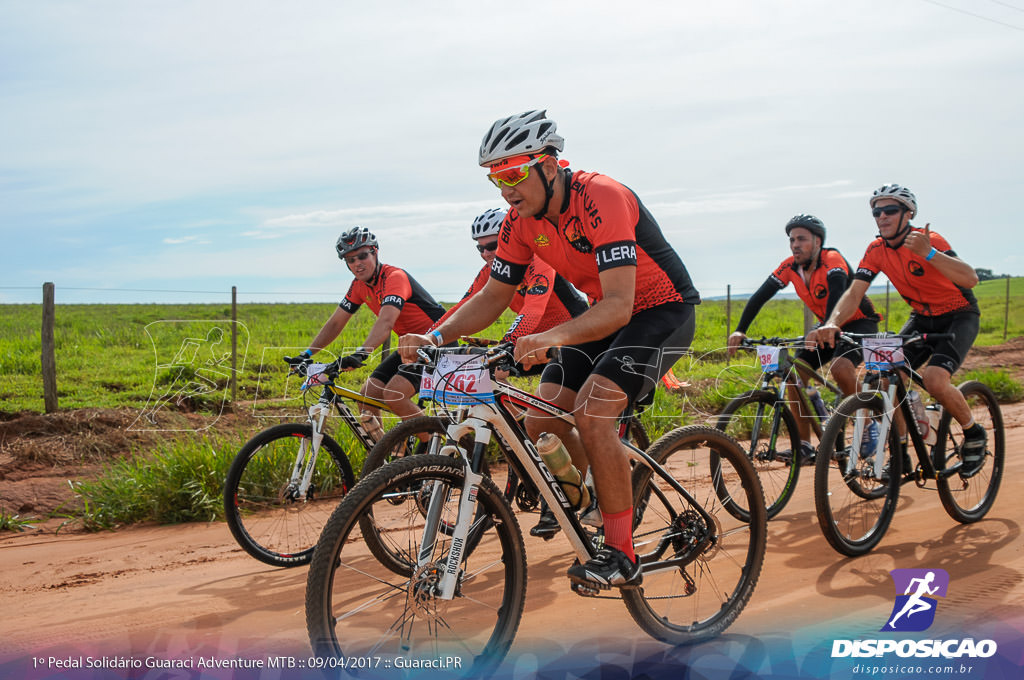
[917, 408]
[554, 455]
[816, 401]
[934, 414]
[869, 440]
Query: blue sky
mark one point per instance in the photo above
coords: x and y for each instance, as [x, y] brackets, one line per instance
[195, 146]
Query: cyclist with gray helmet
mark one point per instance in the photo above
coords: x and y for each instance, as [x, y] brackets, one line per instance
[598, 235]
[400, 304]
[820, 276]
[937, 284]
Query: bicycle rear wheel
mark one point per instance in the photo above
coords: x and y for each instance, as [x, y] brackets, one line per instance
[261, 497]
[968, 500]
[855, 505]
[698, 572]
[356, 607]
[750, 419]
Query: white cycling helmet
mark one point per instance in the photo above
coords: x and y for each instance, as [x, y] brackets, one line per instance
[896, 193]
[489, 223]
[527, 133]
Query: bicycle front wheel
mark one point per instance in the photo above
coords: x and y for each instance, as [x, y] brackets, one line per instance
[265, 508]
[767, 431]
[968, 500]
[854, 502]
[357, 607]
[700, 562]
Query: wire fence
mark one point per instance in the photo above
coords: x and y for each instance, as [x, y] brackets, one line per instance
[731, 299]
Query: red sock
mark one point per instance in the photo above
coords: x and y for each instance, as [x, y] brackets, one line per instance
[618, 532]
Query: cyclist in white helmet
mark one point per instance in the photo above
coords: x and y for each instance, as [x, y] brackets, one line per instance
[937, 284]
[598, 235]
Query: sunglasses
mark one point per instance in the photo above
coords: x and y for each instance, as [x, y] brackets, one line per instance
[888, 210]
[351, 259]
[487, 248]
[514, 175]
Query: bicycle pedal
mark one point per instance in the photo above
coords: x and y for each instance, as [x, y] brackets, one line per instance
[586, 589]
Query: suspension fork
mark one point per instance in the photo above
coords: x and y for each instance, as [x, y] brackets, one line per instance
[305, 459]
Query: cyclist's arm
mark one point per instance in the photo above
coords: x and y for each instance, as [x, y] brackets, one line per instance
[837, 281]
[475, 314]
[607, 315]
[381, 328]
[331, 330]
[762, 295]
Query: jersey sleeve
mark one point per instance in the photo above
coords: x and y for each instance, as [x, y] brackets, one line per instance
[353, 299]
[611, 219]
[513, 256]
[781, 275]
[538, 283]
[870, 264]
[397, 289]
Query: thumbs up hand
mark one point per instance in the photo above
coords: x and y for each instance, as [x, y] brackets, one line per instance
[920, 242]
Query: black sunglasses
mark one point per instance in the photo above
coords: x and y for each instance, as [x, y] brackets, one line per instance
[888, 210]
[487, 248]
[351, 259]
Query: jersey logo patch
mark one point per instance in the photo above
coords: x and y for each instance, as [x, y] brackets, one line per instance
[542, 241]
[577, 238]
[539, 287]
[915, 268]
[820, 292]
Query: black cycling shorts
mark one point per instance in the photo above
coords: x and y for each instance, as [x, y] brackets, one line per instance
[392, 366]
[822, 355]
[634, 357]
[947, 354]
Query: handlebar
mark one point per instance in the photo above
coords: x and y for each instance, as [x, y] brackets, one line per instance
[908, 338]
[754, 342]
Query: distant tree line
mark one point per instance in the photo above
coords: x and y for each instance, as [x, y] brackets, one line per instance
[987, 275]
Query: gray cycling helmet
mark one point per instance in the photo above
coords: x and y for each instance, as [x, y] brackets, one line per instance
[354, 239]
[896, 193]
[489, 223]
[808, 222]
[527, 133]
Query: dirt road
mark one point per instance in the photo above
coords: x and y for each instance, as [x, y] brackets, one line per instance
[180, 594]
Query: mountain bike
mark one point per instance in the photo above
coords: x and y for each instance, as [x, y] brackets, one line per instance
[281, 488]
[766, 426]
[857, 484]
[457, 583]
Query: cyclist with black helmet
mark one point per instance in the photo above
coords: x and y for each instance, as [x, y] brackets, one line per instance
[598, 235]
[400, 304]
[820, 276]
[937, 284]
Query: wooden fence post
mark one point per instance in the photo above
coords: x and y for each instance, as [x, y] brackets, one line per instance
[728, 317]
[1006, 309]
[887, 306]
[48, 357]
[234, 343]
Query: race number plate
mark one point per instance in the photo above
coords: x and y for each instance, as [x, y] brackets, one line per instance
[882, 353]
[769, 357]
[458, 379]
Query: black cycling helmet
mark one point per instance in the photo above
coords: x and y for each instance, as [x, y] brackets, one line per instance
[354, 239]
[808, 222]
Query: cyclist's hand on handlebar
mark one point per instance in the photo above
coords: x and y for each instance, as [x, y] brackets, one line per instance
[824, 335]
[533, 349]
[299, 363]
[734, 341]
[410, 343]
[352, 361]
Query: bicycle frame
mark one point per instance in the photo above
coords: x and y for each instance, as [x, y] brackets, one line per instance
[481, 420]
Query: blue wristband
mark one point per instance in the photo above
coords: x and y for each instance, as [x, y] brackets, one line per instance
[437, 335]
[931, 254]
[306, 353]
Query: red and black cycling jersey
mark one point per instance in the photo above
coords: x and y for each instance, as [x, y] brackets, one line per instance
[602, 225]
[542, 300]
[923, 286]
[393, 286]
[821, 292]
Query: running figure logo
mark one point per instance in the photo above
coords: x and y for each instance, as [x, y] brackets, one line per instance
[914, 610]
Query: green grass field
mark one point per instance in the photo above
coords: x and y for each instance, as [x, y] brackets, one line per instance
[128, 355]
